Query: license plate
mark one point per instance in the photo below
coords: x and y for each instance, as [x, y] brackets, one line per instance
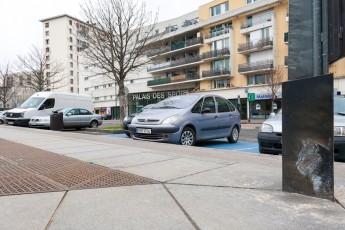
[10, 122]
[146, 131]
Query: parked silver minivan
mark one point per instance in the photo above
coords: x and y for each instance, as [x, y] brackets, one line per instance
[186, 119]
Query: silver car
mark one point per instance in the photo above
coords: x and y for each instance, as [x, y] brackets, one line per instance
[270, 134]
[186, 119]
[3, 117]
[72, 118]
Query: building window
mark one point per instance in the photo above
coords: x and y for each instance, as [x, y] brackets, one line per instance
[96, 87]
[219, 9]
[86, 89]
[71, 89]
[71, 64]
[71, 48]
[70, 31]
[71, 56]
[47, 74]
[86, 78]
[223, 83]
[47, 58]
[221, 64]
[131, 81]
[47, 66]
[47, 33]
[251, 1]
[257, 79]
[70, 22]
[70, 39]
[46, 25]
[96, 98]
[47, 50]
[47, 41]
[71, 81]
[71, 73]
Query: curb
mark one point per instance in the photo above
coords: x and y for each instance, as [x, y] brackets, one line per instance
[105, 131]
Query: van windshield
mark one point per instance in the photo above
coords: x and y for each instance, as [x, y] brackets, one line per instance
[32, 102]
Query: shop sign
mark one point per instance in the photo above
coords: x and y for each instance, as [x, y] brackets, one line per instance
[258, 107]
[263, 96]
[158, 95]
[275, 106]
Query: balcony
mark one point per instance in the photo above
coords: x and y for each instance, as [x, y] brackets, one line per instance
[189, 77]
[263, 66]
[176, 64]
[215, 54]
[175, 47]
[255, 45]
[257, 23]
[216, 73]
[217, 33]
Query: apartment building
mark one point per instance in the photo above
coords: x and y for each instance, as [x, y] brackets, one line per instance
[61, 45]
[225, 47]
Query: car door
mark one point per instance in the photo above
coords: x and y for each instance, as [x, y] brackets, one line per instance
[206, 121]
[72, 118]
[224, 118]
[85, 117]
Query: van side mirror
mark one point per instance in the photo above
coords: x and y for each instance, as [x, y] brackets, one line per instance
[206, 110]
[42, 107]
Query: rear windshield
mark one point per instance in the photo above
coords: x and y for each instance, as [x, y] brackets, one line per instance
[178, 102]
[32, 102]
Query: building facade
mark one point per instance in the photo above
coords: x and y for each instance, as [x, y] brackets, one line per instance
[226, 47]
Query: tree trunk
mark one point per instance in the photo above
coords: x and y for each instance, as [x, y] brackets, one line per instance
[122, 99]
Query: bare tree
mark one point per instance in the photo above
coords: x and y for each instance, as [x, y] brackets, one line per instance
[40, 72]
[274, 82]
[118, 34]
[6, 84]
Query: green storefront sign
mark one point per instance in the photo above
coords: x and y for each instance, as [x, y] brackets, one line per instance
[251, 97]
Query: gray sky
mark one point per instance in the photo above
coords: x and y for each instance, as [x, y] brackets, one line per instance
[20, 26]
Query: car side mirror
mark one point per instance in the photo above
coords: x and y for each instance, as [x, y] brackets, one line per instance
[69, 114]
[272, 114]
[206, 110]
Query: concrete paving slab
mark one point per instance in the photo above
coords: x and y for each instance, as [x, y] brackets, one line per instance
[230, 208]
[83, 149]
[61, 145]
[100, 154]
[238, 175]
[30, 211]
[172, 169]
[133, 207]
[132, 159]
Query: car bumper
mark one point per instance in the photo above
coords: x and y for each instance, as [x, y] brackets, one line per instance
[159, 133]
[270, 142]
[125, 127]
[19, 122]
[39, 124]
[339, 148]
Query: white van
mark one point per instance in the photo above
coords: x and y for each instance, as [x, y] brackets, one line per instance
[43, 103]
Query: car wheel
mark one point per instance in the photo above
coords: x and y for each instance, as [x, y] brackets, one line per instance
[233, 138]
[93, 124]
[1, 122]
[128, 135]
[187, 137]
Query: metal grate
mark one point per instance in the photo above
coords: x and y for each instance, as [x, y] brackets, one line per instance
[25, 169]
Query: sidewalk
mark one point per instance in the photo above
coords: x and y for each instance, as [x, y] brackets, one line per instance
[197, 188]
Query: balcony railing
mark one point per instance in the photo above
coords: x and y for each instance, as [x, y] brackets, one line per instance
[174, 79]
[216, 53]
[217, 33]
[175, 46]
[215, 72]
[178, 62]
[257, 20]
[255, 66]
[256, 44]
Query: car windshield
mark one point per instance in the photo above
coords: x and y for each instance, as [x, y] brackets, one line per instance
[177, 102]
[32, 102]
[339, 105]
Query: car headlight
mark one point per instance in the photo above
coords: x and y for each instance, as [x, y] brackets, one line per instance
[339, 131]
[266, 128]
[125, 119]
[170, 120]
[134, 120]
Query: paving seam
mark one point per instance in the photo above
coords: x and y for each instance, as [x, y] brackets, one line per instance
[182, 209]
[339, 203]
[224, 186]
[127, 167]
[208, 170]
[54, 213]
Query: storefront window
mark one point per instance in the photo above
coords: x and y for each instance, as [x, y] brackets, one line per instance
[261, 109]
[221, 83]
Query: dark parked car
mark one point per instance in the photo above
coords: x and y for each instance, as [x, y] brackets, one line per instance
[106, 116]
[270, 135]
[186, 119]
[127, 120]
